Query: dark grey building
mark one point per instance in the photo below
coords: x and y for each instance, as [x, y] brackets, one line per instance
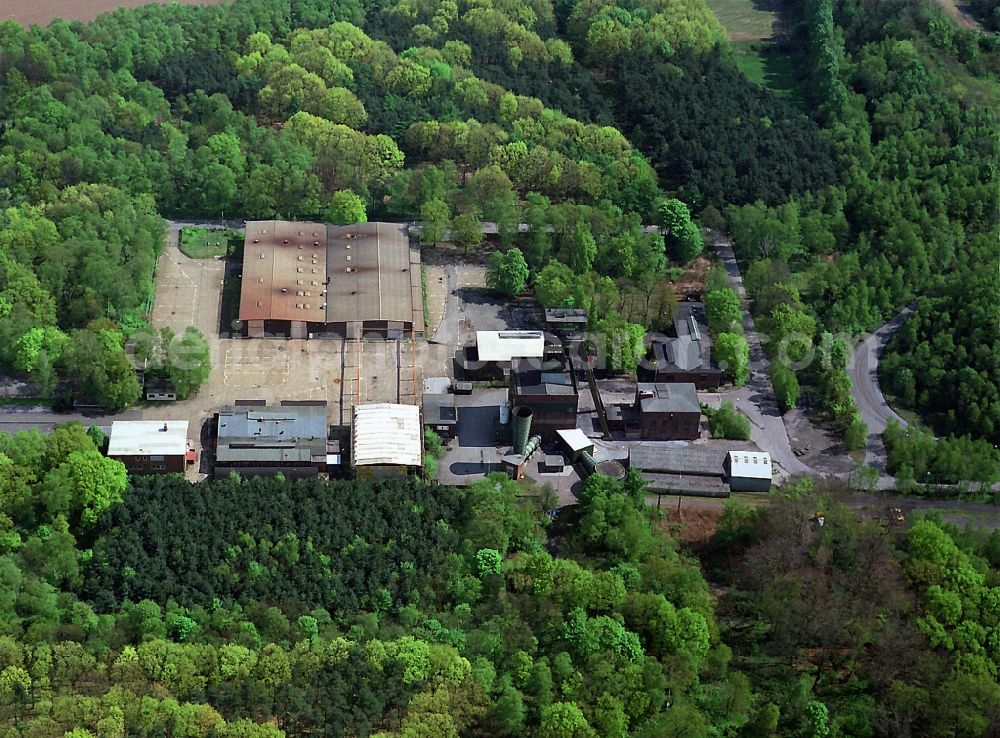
[565, 321]
[684, 471]
[550, 389]
[668, 412]
[293, 439]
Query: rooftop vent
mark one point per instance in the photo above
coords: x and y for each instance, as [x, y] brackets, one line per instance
[164, 428]
[285, 241]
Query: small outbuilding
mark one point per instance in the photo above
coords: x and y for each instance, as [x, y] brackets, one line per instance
[386, 440]
[576, 442]
[149, 446]
[552, 464]
[565, 321]
[440, 414]
[749, 471]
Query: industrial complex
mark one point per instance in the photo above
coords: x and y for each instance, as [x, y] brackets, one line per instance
[515, 388]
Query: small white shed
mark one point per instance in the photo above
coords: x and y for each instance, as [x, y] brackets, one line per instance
[749, 471]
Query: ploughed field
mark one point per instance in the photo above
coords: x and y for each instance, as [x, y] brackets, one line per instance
[43, 12]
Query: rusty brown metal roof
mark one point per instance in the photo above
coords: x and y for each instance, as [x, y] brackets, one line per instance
[369, 268]
[284, 271]
[330, 274]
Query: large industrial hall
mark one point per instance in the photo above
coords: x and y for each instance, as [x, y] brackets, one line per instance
[313, 280]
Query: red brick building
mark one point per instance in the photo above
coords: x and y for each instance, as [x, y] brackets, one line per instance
[150, 446]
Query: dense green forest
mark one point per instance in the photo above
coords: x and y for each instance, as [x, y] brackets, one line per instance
[945, 362]
[319, 533]
[263, 608]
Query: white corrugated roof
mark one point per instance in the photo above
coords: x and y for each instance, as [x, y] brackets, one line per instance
[148, 437]
[508, 345]
[385, 433]
[575, 439]
[750, 464]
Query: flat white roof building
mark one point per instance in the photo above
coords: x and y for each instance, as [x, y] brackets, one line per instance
[148, 438]
[750, 464]
[510, 345]
[387, 434]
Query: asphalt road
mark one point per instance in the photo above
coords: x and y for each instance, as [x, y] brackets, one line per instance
[863, 369]
[14, 419]
[865, 390]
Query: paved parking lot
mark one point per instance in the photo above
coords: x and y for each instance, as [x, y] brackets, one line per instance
[247, 364]
[187, 290]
